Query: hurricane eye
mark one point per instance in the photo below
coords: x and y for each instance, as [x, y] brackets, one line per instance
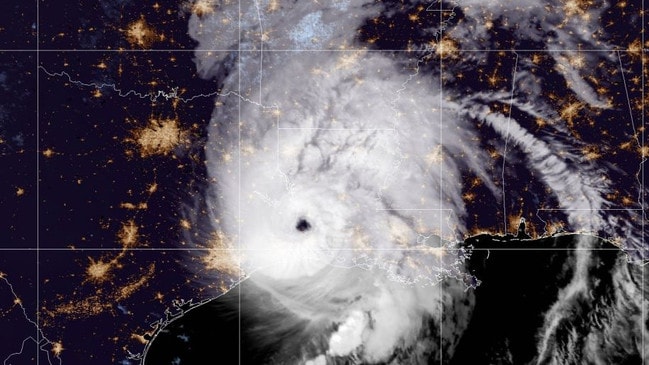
[303, 225]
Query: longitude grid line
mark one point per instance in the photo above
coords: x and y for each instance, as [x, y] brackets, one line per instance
[38, 229]
[441, 172]
[240, 283]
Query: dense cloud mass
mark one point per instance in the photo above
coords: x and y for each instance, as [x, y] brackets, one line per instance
[356, 143]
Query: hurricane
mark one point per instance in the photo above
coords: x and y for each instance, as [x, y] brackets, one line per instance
[356, 147]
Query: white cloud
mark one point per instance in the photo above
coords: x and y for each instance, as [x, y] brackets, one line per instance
[372, 155]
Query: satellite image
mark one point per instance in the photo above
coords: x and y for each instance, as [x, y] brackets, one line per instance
[323, 182]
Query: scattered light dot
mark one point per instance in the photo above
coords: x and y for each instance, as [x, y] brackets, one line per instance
[48, 153]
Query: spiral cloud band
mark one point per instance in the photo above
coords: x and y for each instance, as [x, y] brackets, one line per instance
[348, 161]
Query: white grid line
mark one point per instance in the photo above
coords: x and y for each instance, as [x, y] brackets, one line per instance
[441, 170]
[337, 129]
[38, 229]
[239, 69]
[621, 49]
[208, 249]
[587, 209]
[415, 209]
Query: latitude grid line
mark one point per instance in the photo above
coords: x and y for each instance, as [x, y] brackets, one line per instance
[171, 249]
[81, 50]
[38, 51]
